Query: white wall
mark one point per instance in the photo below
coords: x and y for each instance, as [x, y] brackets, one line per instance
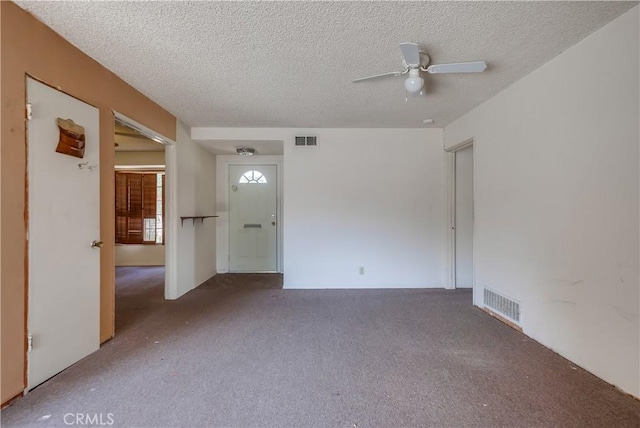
[364, 197]
[134, 254]
[557, 200]
[464, 217]
[196, 195]
[139, 255]
[139, 158]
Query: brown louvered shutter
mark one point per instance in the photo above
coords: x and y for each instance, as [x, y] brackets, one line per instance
[121, 208]
[149, 203]
[136, 207]
[135, 227]
[164, 234]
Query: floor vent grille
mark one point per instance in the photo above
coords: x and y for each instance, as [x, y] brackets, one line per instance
[504, 306]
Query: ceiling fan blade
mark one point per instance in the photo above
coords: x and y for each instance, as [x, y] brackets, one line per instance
[392, 73]
[410, 53]
[459, 67]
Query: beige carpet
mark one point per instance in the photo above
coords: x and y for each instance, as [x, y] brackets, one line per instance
[240, 352]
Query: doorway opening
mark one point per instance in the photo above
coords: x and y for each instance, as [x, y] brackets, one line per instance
[139, 222]
[143, 206]
[461, 216]
[464, 217]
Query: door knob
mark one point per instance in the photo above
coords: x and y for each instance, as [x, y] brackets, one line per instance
[273, 223]
[97, 244]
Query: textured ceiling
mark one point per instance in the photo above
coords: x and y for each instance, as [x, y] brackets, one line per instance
[290, 64]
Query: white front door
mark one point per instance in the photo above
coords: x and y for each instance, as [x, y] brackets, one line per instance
[64, 219]
[253, 218]
[464, 217]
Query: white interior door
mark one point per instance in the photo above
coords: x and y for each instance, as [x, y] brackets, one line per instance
[464, 217]
[253, 218]
[64, 219]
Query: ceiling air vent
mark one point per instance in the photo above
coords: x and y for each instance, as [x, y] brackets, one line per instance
[510, 309]
[306, 140]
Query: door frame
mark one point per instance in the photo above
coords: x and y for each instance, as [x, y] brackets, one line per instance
[171, 207]
[450, 206]
[222, 203]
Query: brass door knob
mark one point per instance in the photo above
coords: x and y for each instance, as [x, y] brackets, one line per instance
[97, 244]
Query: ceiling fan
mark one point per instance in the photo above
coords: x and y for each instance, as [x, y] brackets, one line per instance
[416, 61]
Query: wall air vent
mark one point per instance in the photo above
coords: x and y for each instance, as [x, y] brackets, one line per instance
[510, 309]
[306, 140]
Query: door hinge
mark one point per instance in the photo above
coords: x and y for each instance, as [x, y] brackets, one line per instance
[29, 343]
[29, 111]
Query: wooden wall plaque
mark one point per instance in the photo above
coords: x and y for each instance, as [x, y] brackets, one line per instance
[72, 139]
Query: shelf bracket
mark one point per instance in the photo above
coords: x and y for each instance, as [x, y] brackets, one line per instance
[193, 219]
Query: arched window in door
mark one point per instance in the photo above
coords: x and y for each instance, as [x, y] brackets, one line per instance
[252, 177]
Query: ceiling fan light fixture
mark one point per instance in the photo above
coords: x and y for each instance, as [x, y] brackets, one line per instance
[414, 82]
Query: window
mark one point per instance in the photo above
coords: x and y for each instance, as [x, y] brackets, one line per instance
[160, 209]
[252, 177]
[139, 208]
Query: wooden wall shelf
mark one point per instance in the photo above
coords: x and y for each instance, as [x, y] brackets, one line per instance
[193, 219]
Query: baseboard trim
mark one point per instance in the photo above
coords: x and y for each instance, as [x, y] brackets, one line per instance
[207, 278]
[11, 400]
[501, 318]
[573, 363]
[363, 287]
